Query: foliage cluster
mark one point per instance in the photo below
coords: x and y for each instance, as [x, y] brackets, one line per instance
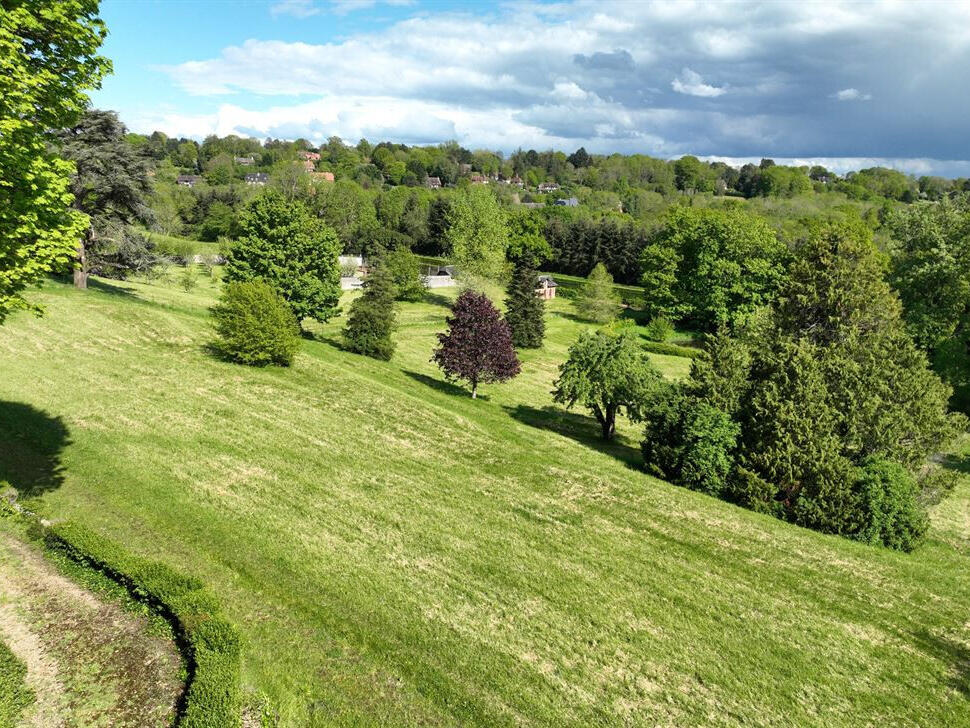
[255, 325]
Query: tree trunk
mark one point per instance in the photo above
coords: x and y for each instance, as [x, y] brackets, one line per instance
[608, 423]
[81, 273]
[474, 390]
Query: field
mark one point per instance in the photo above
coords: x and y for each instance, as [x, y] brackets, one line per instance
[396, 553]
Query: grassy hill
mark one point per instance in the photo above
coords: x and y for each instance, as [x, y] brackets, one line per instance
[398, 554]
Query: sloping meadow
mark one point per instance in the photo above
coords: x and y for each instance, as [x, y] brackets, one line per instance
[395, 553]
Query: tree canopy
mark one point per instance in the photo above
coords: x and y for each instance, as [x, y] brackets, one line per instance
[477, 347]
[477, 234]
[607, 371]
[295, 253]
[48, 59]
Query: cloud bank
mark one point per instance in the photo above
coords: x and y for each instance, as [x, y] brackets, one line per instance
[731, 79]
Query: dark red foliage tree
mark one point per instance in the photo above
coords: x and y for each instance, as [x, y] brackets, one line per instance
[478, 344]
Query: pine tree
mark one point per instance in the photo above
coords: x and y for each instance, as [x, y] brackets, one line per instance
[478, 344]
[524, 310]
[371, 319]
[598, 301]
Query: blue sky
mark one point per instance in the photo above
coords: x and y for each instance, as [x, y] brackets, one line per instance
[847, 84]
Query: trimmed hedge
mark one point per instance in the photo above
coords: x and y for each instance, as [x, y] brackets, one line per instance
[210, 642]
[664, 347]
[14, 693]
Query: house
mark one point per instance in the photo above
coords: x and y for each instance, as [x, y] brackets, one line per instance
[188, 180]
[478, 179]
[310, 156]
[350, 283]
[548, 187]
[439, 276]
[433, 183]
[546, 288]
[567, 202]
[257, 178]
[244, 161]
[322, 176]
[517, 181]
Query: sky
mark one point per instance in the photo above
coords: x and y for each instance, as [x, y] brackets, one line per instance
[844, 84]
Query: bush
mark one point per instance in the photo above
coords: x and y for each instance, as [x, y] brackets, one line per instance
[689, 442]
[658, 347]
[14, 693]
[213, 694]
[889, 511]
[659, 329]
[255, 325]
[403, 267]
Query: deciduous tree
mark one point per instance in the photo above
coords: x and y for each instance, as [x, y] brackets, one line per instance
[477, 234]
[607, 371]
[48, 58]
[295, 253]
[477, 347]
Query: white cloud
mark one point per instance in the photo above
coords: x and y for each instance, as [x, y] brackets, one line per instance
[851, 94]
[296, 8]
[596, 73]
[691, 83]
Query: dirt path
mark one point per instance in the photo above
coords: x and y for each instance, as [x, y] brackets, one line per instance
[89, 662]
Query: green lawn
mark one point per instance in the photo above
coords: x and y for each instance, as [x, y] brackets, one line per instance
[398, 554]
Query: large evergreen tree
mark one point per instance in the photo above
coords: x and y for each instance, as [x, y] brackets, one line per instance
[111, 186]
[295, 253]
[524, 310]
[477, 347]
[47, 60]
[371, 319]
[827, 410]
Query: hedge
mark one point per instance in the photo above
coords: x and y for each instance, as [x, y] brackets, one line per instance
[665, 347]
[14, 693]
[209, 642]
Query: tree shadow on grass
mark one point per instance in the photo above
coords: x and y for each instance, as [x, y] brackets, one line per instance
[31, 443]
[112, 288]
[954, 654]
[959, 463]
[443, 386]
[436, 299]
[580, 428]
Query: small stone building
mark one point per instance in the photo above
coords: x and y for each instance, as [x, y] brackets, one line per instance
[546, 288]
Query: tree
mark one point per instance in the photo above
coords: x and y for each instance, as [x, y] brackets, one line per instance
[293, 252]
[47, 60]
[112, 187]
[527, 243]
[402, 266]
[931, 271]
[371, 319]
[598, 301]
[711, 267]
[606, 371]
[477, 347]
[524, 310]
[692, 175]
[477, 235]
[254, 325]
[580, 158]
[828, 398]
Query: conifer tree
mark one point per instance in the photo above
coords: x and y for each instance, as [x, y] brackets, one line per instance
[597, 301]
[524, 310]
[478, 344]
[371, 319]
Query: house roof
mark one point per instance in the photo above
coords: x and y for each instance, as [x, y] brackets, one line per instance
[257, 177]
[550, 283]
[568, 202]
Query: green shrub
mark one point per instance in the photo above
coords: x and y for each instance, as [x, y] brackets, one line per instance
[659, 329]
[213, 693]
[14, 693]
[889, 511]
[689, 442]
[403, 267]
[663, 347]
[255, 325]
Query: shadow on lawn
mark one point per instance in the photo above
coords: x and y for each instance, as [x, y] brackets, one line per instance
[112, 288]
[443, 386]
[954, 654]
[436, 299]
[580, 428]
[31, 443]
[960, 463]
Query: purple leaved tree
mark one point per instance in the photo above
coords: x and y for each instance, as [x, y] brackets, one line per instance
[478, 344]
